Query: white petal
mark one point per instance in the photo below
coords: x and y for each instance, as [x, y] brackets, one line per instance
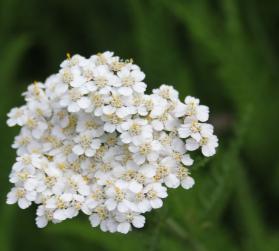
[122, 112]
[73, 107]
[126, 138]
[139, 87]
[188, 182]
[41, 221]
[92, 204]
[109, 127]
[148, 171]
[30, 184]
[59, 215]
[144, 206]
[11, 198]
[172, 181]
[202, 113]
[192, 145]
[108, 110]
[121, 184]
[138, 221]
[138, 158]
[206, 130]
[184, 131]
[78, 150]
[196, 136]
[31, 196]
[84, 190]
[180, 110]
[124, 227]
[135, 187]
[125, 91]
[90, 152]
[96, 143]
[122, 207]
[84, 102]
[67, 197]
[157, 125]
[152, 156]
[23, 203]
[94, 220]
[208, 151]
[71, 212]
[156, 203]
[103, 226]
[186, 160]
[138, 75]
[110, 204]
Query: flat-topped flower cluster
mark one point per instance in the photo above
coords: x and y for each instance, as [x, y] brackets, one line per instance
[93, 141]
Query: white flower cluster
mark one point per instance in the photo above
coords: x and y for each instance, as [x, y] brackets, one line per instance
[93, 141]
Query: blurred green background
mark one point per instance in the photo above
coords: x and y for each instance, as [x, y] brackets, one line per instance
[226, 52]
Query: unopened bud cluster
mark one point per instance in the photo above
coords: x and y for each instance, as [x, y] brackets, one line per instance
[93, 141]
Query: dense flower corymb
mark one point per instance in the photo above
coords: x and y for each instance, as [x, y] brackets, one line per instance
[93, 141]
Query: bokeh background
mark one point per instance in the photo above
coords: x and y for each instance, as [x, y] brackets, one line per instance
[226, 52]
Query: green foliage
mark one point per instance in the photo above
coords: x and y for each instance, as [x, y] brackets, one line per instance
[223, 51]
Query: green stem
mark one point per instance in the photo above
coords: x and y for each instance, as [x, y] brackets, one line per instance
[180, 233]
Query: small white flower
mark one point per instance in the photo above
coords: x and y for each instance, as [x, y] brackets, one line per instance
[165, 122]
[97, 101]
[21, 196]
[192, 109]
[76, 184]
[60, 118]
[87, 122]
[36, 125]
[99, 217]
[60, 206]
[96, 197]
[40, 108]
[208, 145]
[154, 193]
[157, 105]
[103, 79]
[23, 141]
[43, 216]
[141, 203]
[145, 149]
[17, 116]
[72, 76]
[134, 130]
[35, 91]
[118, 105]
[86, 144]
[190, 129]
[54, 87]
[130, 176]
[165, 172]
[75, 100]
[117, 198]
[167, 92]
[194, 129]
[112, 123]
[128, 219]
[131, 81]
[54, 180]
[73, 61]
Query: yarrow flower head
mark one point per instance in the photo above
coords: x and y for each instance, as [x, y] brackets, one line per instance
[93, 141]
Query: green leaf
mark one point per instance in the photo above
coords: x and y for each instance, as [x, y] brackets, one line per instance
[108, 241]
[11, 57]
